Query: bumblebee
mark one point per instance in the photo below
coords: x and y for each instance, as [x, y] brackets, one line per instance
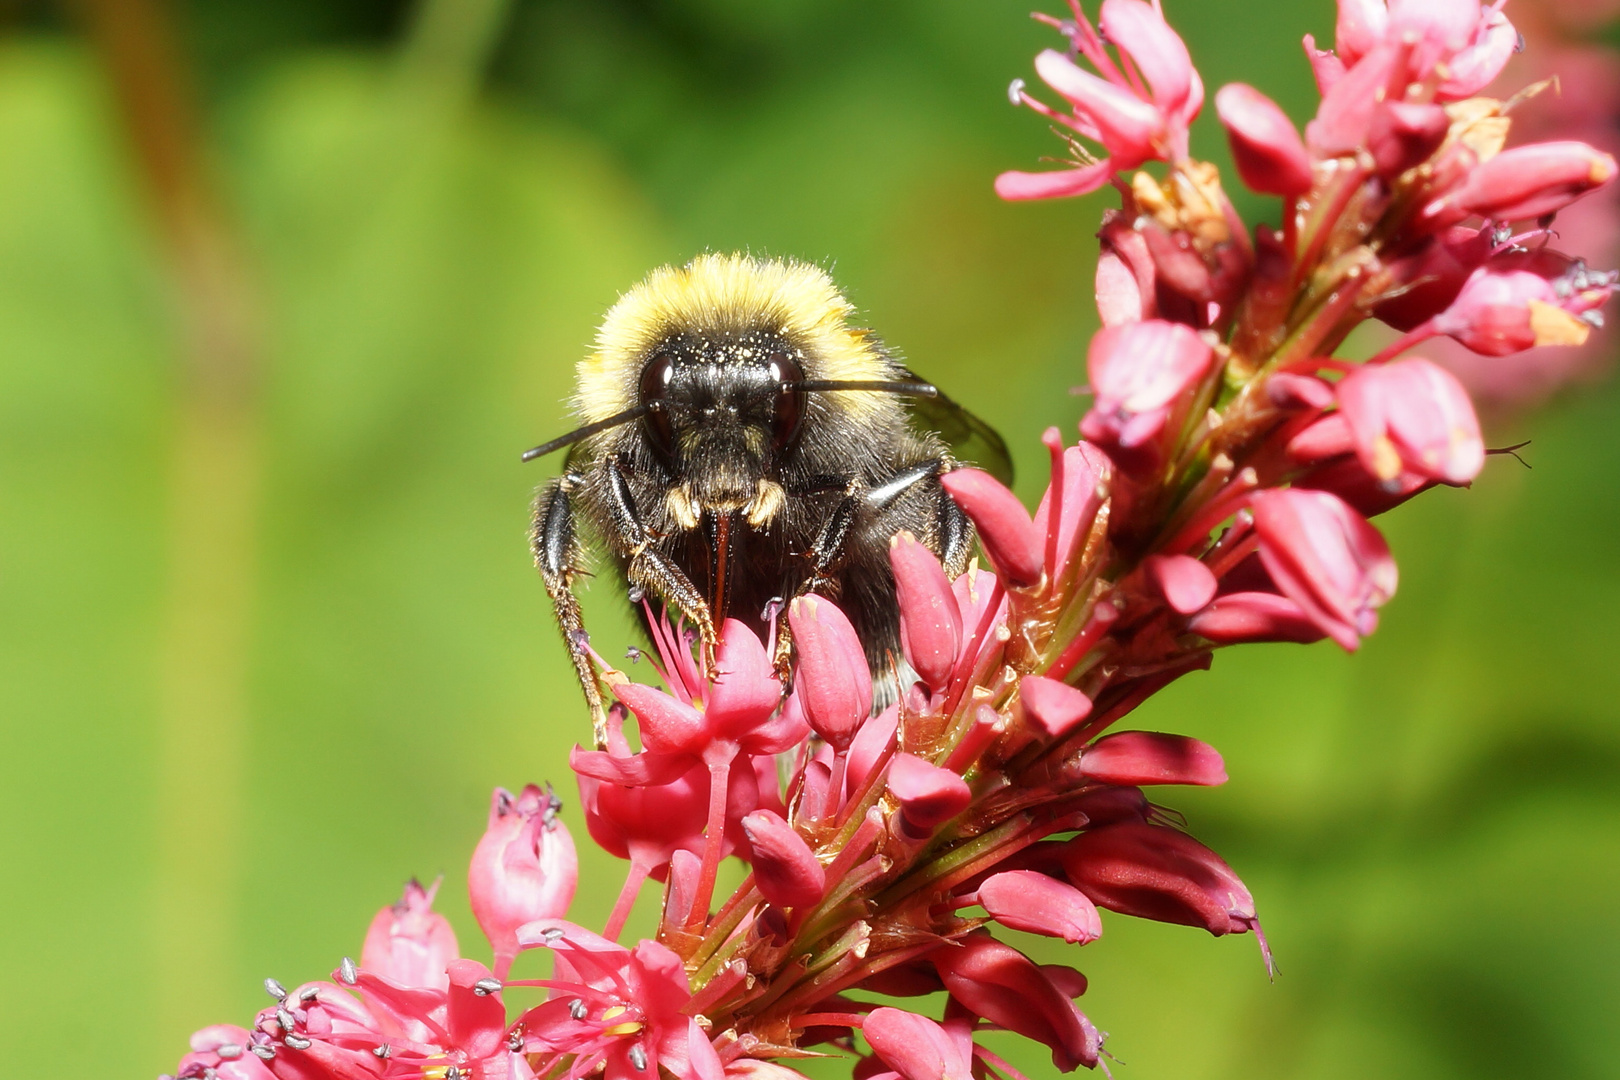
[741, 444]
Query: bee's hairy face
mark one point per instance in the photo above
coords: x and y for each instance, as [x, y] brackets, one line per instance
[725, 415]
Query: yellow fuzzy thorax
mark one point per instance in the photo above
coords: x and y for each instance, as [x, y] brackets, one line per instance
[723, 294]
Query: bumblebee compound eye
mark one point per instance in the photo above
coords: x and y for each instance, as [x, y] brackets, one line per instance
[787, 374]
[655, 380]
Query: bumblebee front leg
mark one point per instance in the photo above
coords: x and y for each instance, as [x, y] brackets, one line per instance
[556, 552]
[648, 568]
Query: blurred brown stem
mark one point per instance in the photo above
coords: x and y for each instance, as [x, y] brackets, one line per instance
[212, 520]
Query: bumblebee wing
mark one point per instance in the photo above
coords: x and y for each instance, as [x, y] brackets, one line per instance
[972, 441]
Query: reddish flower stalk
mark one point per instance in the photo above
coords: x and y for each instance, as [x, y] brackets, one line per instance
[1221, 495]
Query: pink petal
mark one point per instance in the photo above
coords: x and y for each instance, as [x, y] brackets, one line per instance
[1055, 707]
[1037, 904]
[1134, 758]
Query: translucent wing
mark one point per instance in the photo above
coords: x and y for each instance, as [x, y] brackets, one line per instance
[971, 440]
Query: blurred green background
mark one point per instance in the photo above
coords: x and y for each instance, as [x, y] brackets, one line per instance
[284, 290]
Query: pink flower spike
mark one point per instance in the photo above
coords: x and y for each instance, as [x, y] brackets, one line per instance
[930, 620]
[1008, 989]
[1326, 558]
[1055, 707]
[524, 868]
[1269, 153]
[1412, 416]
[409, 943]
[1006, 531]
[915, 1047]
[1159, 873]
[1185, 583]
[928, 795]
[1031, 901]
[785, 869]
[1528, 181]
[1254, 616]
[1137, 758]
[832, 681]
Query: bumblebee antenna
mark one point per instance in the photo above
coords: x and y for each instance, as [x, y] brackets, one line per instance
[879, 386]
[635, 412]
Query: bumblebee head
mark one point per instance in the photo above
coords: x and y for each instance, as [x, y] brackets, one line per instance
[722, 366]
[723, 410]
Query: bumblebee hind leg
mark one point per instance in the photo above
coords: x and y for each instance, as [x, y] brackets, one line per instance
[556, 555]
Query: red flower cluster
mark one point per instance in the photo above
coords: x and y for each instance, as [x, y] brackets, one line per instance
[1221, 494]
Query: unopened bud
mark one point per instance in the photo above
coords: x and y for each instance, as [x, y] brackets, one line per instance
[1030, 901]
[1150, 757]
[1269, 153]
[785, 869]
[833, 682]
[930, 621]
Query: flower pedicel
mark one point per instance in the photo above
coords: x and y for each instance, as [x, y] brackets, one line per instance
[1221, 495]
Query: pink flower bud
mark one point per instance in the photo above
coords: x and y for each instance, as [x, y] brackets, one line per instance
[1325, 438]
[1366, 494]
[1126, 277]
[1471, 70]
[930, 622]
[1185, 583]
[1054, 707]
[1269, 153]
[832, 680]
[409, 943]
[1080, 476]
[1361, 26]
[1289, 391]
[1412, 416]
[1403, 134]
[1159, 873]
[1513, 303]
[1132, 758]
[1030, 901]
[1528, 182]
[1005, 530]
[1326, 558]
[1254, 616]
[1344, 118]
[874, 737]
[1008, 989]
[523, 869]
[928, 795]
[915, 1047]
[1139, 373]
[785, 869]
[1426, 282]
